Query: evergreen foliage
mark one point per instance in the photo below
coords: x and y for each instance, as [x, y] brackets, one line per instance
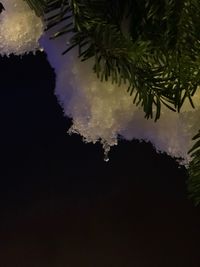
[38, 6]
[194, 171]
[151, 45]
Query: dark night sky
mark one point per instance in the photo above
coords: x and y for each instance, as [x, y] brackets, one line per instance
[61, 205]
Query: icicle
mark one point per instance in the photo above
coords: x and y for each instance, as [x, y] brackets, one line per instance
[106, 148]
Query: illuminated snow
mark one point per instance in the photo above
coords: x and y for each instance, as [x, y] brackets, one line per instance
[20, 28]
[100, 111]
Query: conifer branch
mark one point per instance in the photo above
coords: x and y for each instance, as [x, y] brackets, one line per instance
[194, 171]
[156, 52]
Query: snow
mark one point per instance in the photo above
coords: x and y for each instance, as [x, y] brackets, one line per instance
[101, 111]
[20, 28]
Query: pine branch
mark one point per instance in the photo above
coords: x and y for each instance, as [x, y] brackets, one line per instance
[194, 171]
[158, 59]
[38, 6]
[151, 45]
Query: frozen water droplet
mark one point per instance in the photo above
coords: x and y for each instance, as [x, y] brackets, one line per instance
[106, 148]
[106, 158]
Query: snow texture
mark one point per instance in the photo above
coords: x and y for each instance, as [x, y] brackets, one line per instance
[101, 111]
[20, 28]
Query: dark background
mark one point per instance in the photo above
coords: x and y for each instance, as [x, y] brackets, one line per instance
[61, 205]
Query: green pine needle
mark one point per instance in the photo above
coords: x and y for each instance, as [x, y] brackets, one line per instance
[152, 46]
